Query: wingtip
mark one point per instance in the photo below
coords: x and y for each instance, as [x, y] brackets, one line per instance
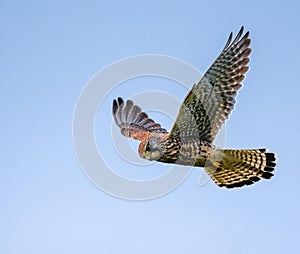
[115, 106]
[237, 38]
[120, 101]
[242, 29]
[239, 35]
[228, 41]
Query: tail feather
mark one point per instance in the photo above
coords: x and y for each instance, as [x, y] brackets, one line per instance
[237, 168]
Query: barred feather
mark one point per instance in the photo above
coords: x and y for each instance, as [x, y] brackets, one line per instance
[211, 100]
[132, 121]
[236, 168]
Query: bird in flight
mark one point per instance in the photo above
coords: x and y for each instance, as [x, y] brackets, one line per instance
[201, 115]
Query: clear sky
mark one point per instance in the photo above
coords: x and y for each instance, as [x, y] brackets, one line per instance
[49, 50]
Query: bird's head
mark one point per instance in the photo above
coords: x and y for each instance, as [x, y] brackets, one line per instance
[153, 147]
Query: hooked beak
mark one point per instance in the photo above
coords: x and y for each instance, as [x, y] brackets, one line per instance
[145, 155]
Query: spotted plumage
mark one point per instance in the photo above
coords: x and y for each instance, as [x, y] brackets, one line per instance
[201, 115]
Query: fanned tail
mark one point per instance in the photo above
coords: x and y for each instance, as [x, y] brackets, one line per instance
[237, 168]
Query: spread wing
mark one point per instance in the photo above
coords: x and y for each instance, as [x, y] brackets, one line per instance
[210, 101]
[132, 121]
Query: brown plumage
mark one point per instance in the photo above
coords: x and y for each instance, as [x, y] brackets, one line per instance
[200, 117]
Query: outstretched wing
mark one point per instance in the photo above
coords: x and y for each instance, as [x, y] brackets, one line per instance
[132, 121]
[210, 101]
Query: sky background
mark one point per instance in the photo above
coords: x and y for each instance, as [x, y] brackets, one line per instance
[48, 52]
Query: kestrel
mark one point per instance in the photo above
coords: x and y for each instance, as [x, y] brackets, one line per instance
[200, 117]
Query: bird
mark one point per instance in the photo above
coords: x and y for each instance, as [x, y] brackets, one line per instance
[201, 115]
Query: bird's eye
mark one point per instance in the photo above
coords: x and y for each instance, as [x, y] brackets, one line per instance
[148, 147]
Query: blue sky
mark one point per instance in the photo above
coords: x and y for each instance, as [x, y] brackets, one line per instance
[48, 53]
